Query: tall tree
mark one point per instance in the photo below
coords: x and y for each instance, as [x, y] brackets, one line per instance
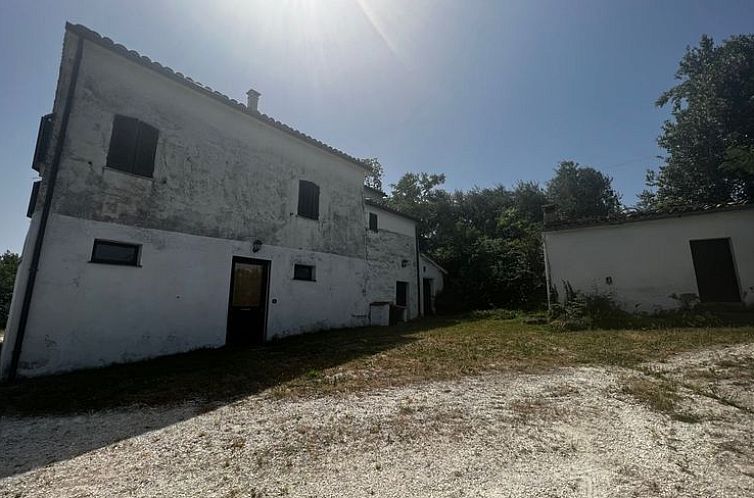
[417, 194]
[582, 192]
[374, 177]
[710, 139]
[8, 267]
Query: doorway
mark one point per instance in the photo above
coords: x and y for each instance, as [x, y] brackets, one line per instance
[401, 293]
[427, 296]
[247, 306]
[716, 277]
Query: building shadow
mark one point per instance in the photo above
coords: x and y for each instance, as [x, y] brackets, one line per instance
[56, 418]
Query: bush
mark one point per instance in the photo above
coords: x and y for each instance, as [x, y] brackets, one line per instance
[581, 312]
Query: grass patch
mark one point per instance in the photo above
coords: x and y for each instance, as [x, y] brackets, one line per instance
[659, 395]
[349, 360]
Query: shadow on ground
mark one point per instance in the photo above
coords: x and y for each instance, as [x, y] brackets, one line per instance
[56, 418]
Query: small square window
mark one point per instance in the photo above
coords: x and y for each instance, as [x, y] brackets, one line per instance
[373, 222]
[303, 272]
[115, 253]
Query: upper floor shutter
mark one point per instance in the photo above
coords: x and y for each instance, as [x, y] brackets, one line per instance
[146, 147]
[308, 199]
[123, 143]
[43, 141]
[133, 144]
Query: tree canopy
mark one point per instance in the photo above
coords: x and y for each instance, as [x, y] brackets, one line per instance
[8, 267]
[489, 239]
[710, 138]
[582, 192]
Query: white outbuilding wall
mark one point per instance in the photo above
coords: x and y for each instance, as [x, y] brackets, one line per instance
[647, 265]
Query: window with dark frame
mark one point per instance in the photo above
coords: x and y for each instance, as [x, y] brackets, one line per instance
[133, 144]
[115, 253]
[308, 200]
[303, 272]
[373, 222]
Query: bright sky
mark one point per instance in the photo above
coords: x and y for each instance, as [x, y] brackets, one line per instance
[488, 92]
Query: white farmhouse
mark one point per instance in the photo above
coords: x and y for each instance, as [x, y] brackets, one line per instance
[169, 217]
[649, 262]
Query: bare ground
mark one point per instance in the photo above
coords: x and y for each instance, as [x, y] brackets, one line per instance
[574, 431]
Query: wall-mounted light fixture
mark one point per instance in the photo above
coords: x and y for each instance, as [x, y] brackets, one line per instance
[404, 263]
[256, 245]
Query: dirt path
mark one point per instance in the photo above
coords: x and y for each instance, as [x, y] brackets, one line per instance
[573, 432]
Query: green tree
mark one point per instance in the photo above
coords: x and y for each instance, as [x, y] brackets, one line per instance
[8, 267]
[710, 137]
[374, 177]
[418, 195]
[582, 192]
[528, 200]
[487, 238]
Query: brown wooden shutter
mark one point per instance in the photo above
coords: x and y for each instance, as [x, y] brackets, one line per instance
[43, 141]
[308, 199]
[146, 146]
[33, 199]
[123, 143]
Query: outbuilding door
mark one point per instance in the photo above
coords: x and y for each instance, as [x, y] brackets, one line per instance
[715, 271]
[247, 309]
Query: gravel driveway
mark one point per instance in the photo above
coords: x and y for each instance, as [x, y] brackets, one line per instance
[572, 432]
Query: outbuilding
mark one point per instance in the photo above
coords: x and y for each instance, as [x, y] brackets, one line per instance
[652, 261]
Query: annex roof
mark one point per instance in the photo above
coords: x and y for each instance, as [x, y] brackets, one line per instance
[635, 215]
[385, 207]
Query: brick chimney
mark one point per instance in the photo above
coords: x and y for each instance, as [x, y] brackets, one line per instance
[252, 100]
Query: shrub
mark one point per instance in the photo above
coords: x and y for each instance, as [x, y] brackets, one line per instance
[596, 311]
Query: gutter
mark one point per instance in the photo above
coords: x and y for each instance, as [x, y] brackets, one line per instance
[37, 251]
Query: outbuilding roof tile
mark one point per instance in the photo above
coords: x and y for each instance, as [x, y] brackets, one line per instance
[633, 215]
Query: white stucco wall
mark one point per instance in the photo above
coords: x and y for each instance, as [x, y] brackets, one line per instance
[222, 179]
[394, 242]
[86, 314]
[648, 261]
[218, 171]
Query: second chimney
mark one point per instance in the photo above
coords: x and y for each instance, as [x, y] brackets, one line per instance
[252, 100]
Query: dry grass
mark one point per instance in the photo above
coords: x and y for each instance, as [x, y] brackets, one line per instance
[349, 360]
[660, 395]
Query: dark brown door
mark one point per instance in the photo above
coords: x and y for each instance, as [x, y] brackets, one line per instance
[401, 293]
[427, 291]
[247, 313]
[715, 272]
